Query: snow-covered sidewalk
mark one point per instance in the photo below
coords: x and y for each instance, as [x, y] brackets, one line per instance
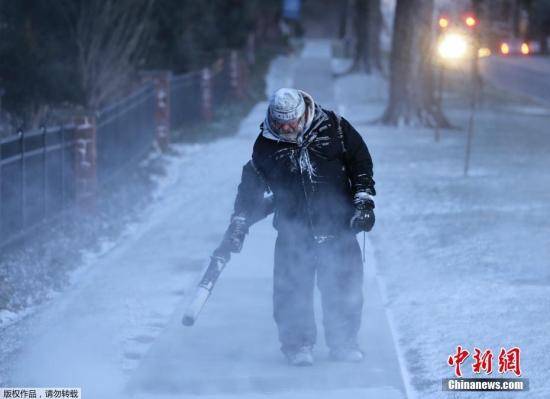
[118, 333]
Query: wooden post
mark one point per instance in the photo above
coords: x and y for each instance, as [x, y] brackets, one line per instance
[206, 94]
[85, 161]
[162, 112]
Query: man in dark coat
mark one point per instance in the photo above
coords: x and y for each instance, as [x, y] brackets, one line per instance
[319, 170]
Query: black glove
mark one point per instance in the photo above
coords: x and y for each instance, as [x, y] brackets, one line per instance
[237, 230]
[363, 219]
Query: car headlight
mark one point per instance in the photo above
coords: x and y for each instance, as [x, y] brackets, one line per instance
[452, 46]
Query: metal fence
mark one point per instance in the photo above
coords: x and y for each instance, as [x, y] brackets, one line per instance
[125, 132]
[185, 99]
[221, 82]
[36, 177]
[39, 170]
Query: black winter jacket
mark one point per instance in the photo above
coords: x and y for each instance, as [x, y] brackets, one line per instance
[313, 181]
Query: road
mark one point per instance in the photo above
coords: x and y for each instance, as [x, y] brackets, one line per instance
[528, 76]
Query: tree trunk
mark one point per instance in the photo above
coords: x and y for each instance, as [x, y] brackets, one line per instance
[342, 24]
[360, 21]
[374, 27]
[412, 81]
[400, 64]
[427, 110]
[367, 27]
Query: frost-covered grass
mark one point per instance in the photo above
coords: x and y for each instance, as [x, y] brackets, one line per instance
[466, 260]
[43, 264]
[40, 263]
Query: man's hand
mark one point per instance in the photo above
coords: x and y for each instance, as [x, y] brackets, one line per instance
[363, 219]
[236, 232]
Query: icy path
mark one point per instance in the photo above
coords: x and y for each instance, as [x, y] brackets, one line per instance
[118, 331]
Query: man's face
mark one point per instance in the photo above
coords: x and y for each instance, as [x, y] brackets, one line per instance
[289, 128]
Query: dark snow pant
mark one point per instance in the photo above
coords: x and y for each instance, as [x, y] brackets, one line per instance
[339, 270]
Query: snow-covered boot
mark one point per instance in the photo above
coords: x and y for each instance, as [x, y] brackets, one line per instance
[351, 355]
[301, 357]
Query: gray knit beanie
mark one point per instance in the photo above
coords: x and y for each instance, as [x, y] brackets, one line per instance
[286, 104]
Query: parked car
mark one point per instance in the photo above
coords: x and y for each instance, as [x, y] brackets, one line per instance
[514, 46]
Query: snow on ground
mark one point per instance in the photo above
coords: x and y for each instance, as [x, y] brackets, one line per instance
[464, 260]
[461, 261]
[117, 331]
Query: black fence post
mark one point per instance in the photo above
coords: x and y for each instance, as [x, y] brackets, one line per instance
[44, 172]
[22, 179]
[1, 195]
[62, 171]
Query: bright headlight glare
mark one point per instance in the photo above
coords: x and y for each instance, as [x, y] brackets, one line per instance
[484, 52]
[525, 49]
[452, 46]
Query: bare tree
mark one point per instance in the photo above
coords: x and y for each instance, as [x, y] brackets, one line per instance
[426, 108]
[400, 96]
[111, 37]
[360, 22]
[412, 89]
[366, 20]
[344, 10]
[374, 26]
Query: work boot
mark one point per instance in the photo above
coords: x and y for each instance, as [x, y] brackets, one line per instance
[350, 355]
[300, 357]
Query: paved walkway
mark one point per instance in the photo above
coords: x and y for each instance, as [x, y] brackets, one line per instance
[233, 349]
[119, 333]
